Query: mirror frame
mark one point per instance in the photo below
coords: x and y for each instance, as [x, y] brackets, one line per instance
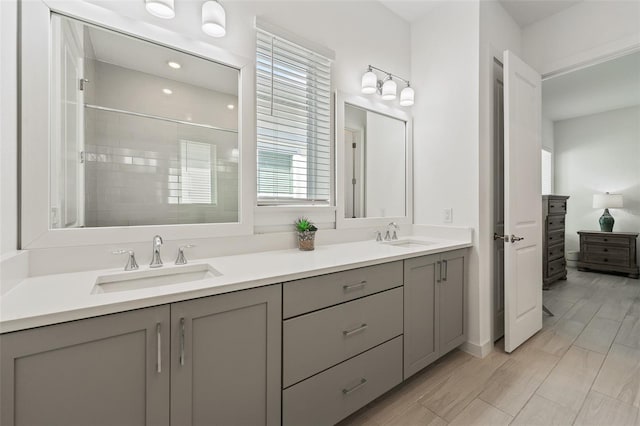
[372, 104]
[34, 120]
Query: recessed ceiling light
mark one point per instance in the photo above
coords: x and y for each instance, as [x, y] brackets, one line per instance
[167, 91]
[174, 65]
[161, 8]
[231, 106]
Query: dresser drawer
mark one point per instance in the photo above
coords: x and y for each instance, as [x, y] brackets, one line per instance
[607, 240]
[557, 206]
[607, 259]
[606, 250]
[555, 252]
[332, 395]
[555, 237]
[321, 339]
[556, 266]
[555, 222]
[314, 293]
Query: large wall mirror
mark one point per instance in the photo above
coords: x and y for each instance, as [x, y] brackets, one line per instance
[373, 146]
[140, 134]
[129, 130]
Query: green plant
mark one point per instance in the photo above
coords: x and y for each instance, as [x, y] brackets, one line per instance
[304, 224]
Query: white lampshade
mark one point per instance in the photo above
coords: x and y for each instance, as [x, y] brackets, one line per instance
[369, 83]
[389, 90]
[160, 8]
[607, 201]
[407, 96]
[214, 19]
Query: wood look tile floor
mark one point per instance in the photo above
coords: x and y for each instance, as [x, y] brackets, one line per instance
[582, 368]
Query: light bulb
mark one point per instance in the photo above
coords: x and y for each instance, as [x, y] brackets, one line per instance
[369, 83]
[174, 65]
[407, 96]
[160, 8]
[214, 19]
[389, 89]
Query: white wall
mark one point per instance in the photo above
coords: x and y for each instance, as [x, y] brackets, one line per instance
[581, 33]
[8, 129]
[595, 154]
[445, 61]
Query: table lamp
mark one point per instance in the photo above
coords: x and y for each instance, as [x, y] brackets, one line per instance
[607, 201]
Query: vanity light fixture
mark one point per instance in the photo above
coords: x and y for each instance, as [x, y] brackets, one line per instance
[174, 65]
[214, 19]
[160, 8]
[387, 88]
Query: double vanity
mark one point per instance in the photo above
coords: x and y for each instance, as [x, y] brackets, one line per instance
[280, 337]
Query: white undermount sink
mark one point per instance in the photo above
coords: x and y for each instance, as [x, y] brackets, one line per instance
[166, 275]
[413, 244]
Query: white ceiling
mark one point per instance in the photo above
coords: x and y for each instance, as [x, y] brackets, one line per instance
[131, 53]
[604, 87]
[411, 10]
[526, 12]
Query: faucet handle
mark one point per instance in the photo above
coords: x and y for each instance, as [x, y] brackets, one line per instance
[131, 265]
[378, 236]
[181, 259]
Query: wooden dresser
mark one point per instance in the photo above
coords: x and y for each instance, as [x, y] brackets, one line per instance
[554, 264]
[609, 252]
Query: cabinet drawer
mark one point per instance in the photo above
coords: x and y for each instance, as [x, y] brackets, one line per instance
[314, 293]
[555, 237]
[555, 222]
[556, 266]
[557, 207]
[332, 395]
[618, 251]
[321, 339]
[607, 259]
[606, 239]
[555, 252]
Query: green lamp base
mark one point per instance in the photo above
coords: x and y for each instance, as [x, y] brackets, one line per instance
[606, 221]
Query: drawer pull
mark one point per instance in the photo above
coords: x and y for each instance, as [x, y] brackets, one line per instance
[346, 391]
[350, 287]
[181, 357]
[353, 331]
[158, 348]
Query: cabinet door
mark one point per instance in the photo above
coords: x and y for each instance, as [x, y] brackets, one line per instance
[109, 370]
[420, 312]
[452, 321]
[226, 359]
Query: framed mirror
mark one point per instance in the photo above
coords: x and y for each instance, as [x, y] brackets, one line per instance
[373, 145]
[134, 137]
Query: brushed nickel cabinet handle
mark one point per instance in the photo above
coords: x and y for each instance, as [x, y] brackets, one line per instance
[181, 341]
[353, 331]
[159, 348]
[445, 265]
[350, 287]
[439, 271]
[352, 389]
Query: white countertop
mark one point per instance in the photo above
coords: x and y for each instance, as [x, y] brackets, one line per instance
[51, 299]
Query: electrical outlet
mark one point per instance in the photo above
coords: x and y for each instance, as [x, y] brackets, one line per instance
[447, 215]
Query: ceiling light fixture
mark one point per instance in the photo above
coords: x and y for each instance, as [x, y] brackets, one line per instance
[174, 65]
[160, 8]
[214, 19]
[231, 106]
[167, 91]
[387, 88]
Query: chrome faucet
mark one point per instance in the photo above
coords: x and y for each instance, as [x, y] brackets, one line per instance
[395, 228]
[181, 259]
[131, 265]
[156, 261]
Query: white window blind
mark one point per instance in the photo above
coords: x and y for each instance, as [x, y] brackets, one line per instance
[293, 87]
[547, 172]
[198, 183]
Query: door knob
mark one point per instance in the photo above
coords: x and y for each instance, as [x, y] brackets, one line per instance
[504, 238]
[514, 238]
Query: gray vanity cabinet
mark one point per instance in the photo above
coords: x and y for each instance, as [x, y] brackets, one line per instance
[434, 308]
[225, 359]
[109, 370]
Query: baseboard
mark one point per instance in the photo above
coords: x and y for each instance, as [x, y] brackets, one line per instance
[479, 351]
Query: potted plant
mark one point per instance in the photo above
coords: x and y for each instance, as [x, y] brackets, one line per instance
[306, 231]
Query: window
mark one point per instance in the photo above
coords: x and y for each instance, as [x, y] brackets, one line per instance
[293, 123]
[547, 172]
[198, 173]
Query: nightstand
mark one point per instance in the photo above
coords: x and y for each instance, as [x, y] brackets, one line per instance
[609, 252]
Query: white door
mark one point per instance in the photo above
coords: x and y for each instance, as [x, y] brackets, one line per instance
[522, 203]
